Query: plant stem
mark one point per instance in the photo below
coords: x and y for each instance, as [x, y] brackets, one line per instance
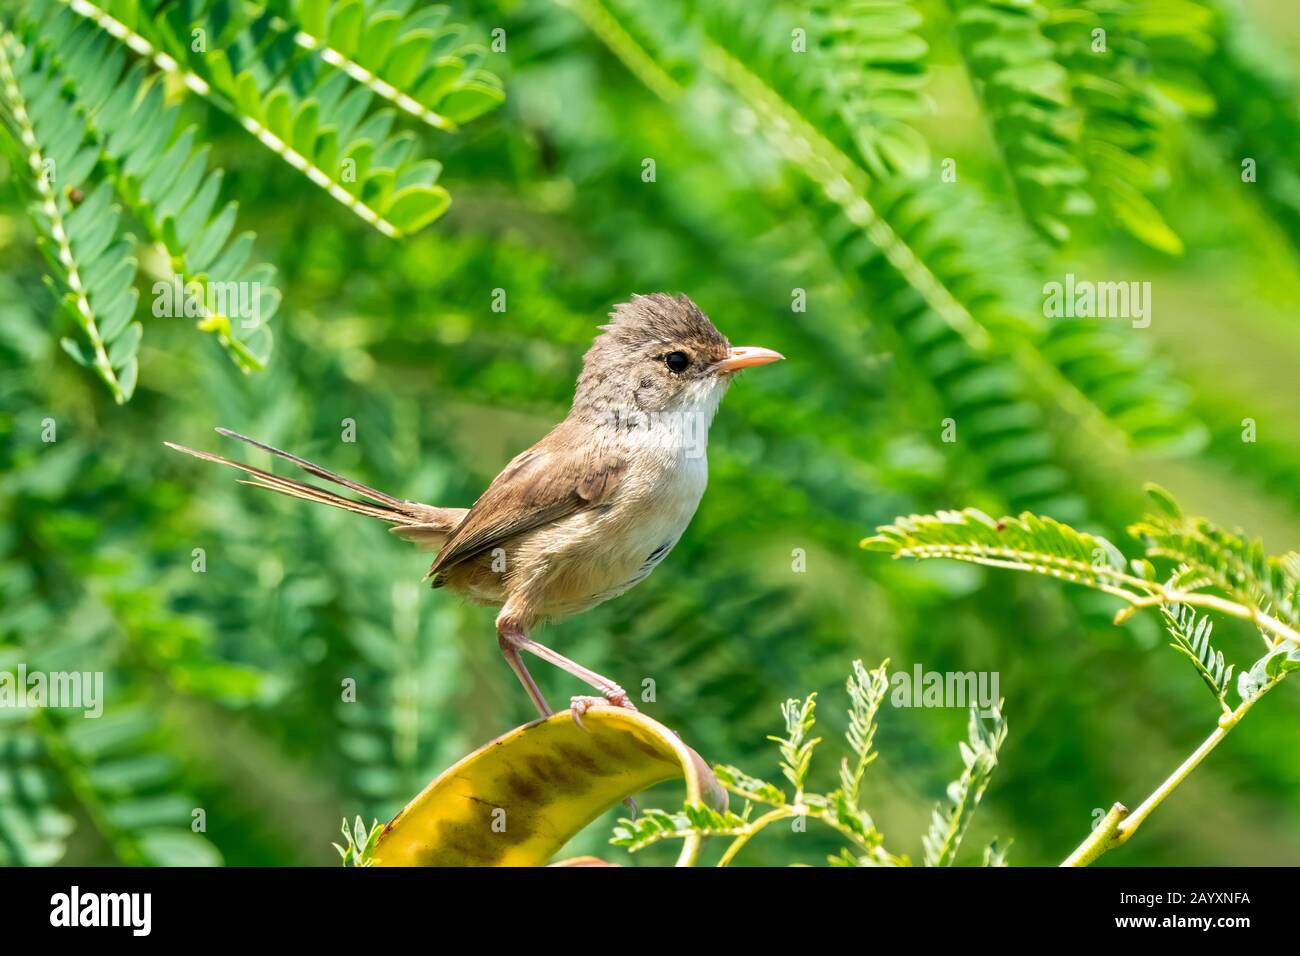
[748, 833]
[1099, 839]
[1119, 825]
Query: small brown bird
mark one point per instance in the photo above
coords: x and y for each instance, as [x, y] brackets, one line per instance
[592, 508]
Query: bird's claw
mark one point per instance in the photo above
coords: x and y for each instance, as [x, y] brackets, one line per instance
[580, 704]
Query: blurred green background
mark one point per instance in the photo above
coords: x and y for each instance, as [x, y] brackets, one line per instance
[224, 686]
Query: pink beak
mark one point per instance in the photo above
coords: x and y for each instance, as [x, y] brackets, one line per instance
[746, 356]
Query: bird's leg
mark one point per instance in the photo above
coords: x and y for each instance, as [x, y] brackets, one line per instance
[511, 654]
[611, 692]
[510, 633]
[512, 637]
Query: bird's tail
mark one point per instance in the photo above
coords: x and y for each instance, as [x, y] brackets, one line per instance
[423, 524]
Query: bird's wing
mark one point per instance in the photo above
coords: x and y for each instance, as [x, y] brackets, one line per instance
[549, 481]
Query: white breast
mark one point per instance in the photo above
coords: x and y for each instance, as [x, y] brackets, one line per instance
[600, 553]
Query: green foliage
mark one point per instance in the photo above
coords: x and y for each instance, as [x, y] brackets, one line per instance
[795, 747]
[1256, 116]
[1031, 542]
[1191, 638]
[91, 268]
[1207, 557]
[1132, 71]
[391, 48]
[840, 810]
[866, 693]
[299, 77]
[922, 302]
[1267, 672]
[1225, 559]
[873, 77]
[33, 829]
[313, 114]
[358, 842]
[161, 174]
[979, 755]
[655, 825]
[1026, 94]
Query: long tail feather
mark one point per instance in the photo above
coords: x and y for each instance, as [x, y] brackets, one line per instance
[424, 524]
[301, 489]
[364, 490]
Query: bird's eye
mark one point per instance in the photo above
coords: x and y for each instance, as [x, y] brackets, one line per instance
[677, 362]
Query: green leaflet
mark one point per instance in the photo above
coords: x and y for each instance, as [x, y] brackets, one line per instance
[1191, 638]
[90, 274]
[979, 757]
[1265, 588]
[161, 174]
[299, 77]
[1026, 94]
[1127, 110]
[34, 830]
[1233, 563]
[857, 69]
[841, 810]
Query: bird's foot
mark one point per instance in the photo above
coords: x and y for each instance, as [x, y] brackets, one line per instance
[614, 698]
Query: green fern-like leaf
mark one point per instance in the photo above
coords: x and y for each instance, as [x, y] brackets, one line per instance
[92, 268]
[391, 48]
[279, 83]
[1235, 565]
[874, 73]
[33, 829]
[1133, 71]
[866, 693]
[654, 826]
[796, 747]
[751, 788]
[979, 756]
[1028, 542]
[1026, 94]
[1267, 671]
[359, 842]
[161, 175]
[117, 772]
[1129, 384]
[1191, 638]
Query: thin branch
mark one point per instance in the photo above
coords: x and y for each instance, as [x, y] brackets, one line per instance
[368, 79]
[748, 832]
[621, 43]
[1102, 578]
[1119, 825]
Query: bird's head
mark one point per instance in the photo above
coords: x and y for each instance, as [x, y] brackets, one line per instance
[660, 354]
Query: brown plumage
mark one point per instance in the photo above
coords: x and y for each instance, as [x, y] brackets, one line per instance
[592, 508]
